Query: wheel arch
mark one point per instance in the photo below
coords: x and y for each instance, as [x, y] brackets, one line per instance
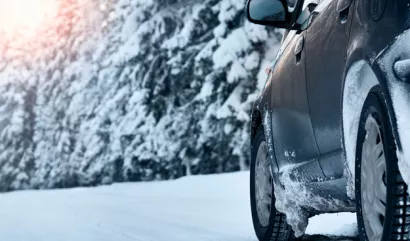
[262, 116]
[256, 121]
[357, 83]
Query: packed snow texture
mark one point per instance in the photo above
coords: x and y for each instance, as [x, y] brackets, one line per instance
[203, 208]
[296, 201]
[130, 90]
[396, 57]
[359, 81]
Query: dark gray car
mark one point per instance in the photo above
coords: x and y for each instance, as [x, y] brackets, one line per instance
[331, 128]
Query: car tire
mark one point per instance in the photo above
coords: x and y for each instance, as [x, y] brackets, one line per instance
[268, 223]
[382, 201]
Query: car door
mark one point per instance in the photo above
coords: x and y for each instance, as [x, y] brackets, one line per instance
[292, 131]
[326, 46]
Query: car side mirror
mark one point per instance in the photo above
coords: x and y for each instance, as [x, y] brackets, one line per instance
[272, 13]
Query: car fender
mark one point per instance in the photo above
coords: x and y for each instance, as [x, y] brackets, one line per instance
[361, 75]
[261, 115]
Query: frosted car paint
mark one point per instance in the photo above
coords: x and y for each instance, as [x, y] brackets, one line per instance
[363, 38]
[290, 110]
[326, 48]
[371, 46]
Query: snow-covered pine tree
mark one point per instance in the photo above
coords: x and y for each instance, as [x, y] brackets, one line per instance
[131, 90]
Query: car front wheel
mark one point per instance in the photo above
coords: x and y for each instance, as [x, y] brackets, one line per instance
[383, 209]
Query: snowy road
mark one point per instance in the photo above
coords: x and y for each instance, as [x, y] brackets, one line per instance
[211, 208]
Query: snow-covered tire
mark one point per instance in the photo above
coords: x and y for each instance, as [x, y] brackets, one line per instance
[273, 225]
[382, 202]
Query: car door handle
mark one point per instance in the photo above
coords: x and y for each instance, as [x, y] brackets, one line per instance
[344, 15]
[299, 48]
[343, 7]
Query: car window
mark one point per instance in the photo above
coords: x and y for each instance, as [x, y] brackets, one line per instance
[307, 2]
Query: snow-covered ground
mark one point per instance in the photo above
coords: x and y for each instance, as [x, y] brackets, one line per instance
[213, 208]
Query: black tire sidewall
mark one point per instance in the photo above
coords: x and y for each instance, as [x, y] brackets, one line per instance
[375, 106]
[263, 233]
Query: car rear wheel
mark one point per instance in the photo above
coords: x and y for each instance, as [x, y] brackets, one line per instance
[268, 223]
[383, 209]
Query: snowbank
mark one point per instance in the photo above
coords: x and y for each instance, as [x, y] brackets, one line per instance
[203, 208]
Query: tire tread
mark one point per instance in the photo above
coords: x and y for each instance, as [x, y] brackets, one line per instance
[402, 228]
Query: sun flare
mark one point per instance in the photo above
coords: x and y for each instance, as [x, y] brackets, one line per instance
[25, 15]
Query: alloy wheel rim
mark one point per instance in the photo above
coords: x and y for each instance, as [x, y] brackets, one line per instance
[263, 185]
[373, 181]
